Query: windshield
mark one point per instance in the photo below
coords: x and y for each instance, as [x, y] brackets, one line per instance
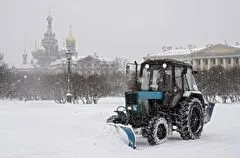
[156, 78]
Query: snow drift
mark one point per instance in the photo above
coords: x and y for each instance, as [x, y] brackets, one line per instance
[49, 130]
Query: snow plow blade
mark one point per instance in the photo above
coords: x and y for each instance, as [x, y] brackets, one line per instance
[208, 112]
[129, 131]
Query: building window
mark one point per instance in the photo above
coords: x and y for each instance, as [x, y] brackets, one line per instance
[220, 61]
[206, 61]
[213, 61]
[228, 60]
[237, 60]
[198, 61]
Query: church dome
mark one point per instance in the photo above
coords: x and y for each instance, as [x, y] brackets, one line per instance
[70, 40]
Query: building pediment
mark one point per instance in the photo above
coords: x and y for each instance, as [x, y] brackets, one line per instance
[217, 50]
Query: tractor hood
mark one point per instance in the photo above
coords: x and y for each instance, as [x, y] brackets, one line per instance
[149, 95]
[132, 97]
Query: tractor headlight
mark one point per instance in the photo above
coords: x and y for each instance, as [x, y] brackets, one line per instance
[132, 108]
[164, 65]
[129, 108]
[147, 66]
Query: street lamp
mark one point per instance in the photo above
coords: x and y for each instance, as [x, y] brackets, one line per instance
[68, 95]
[25, 86]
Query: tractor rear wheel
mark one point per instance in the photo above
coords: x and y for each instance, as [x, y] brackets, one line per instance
[158, 130]
[190, 119]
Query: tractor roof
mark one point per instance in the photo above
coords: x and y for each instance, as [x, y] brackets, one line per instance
[167, 61]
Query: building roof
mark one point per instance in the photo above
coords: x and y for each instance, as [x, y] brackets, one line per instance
[58, 62]
[173, 53]
[204, 52]
[217, 50]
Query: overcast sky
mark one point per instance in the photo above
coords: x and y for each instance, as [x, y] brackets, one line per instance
[118, 28]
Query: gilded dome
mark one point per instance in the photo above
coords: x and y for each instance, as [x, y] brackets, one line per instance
[70, 40]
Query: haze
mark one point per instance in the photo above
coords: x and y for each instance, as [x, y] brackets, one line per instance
[124, 28]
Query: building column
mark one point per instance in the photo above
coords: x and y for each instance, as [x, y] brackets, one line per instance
[209, 64]
[224, 63]
[238, 64]
[232, 62]
[193, 63]
[216, 61]
[201, 64]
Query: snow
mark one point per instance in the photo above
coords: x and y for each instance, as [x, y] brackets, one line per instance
[44, 129]
[176, 52]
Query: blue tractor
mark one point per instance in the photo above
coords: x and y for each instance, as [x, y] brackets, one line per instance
[163, 97]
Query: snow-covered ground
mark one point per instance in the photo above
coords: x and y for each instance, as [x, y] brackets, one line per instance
[49, 130]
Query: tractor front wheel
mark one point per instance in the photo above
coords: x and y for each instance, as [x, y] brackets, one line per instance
[158, 130]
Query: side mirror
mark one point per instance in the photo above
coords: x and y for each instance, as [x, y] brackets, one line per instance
[132, 70]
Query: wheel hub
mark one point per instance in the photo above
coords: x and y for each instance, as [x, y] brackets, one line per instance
[195, 120]
[161, 132]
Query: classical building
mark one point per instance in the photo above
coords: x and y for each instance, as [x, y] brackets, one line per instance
[203, 58]
[93, 64]
[219, 54]
[87, 65]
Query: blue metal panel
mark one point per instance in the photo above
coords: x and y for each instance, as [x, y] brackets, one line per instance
[129, 131]
[149, 95]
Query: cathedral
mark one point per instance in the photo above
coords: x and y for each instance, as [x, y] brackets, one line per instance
[48, 54]
[49, 51]
[50, 59]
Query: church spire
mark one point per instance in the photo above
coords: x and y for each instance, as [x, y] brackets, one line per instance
[24, 57]
[49, 19]
[71, 42]
[49, 28]
[70, 31]
[24, 50]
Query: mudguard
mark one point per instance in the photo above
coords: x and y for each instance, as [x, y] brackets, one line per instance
[129, 131]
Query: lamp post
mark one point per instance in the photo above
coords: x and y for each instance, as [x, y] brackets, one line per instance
[25, 86]
[69, 57]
